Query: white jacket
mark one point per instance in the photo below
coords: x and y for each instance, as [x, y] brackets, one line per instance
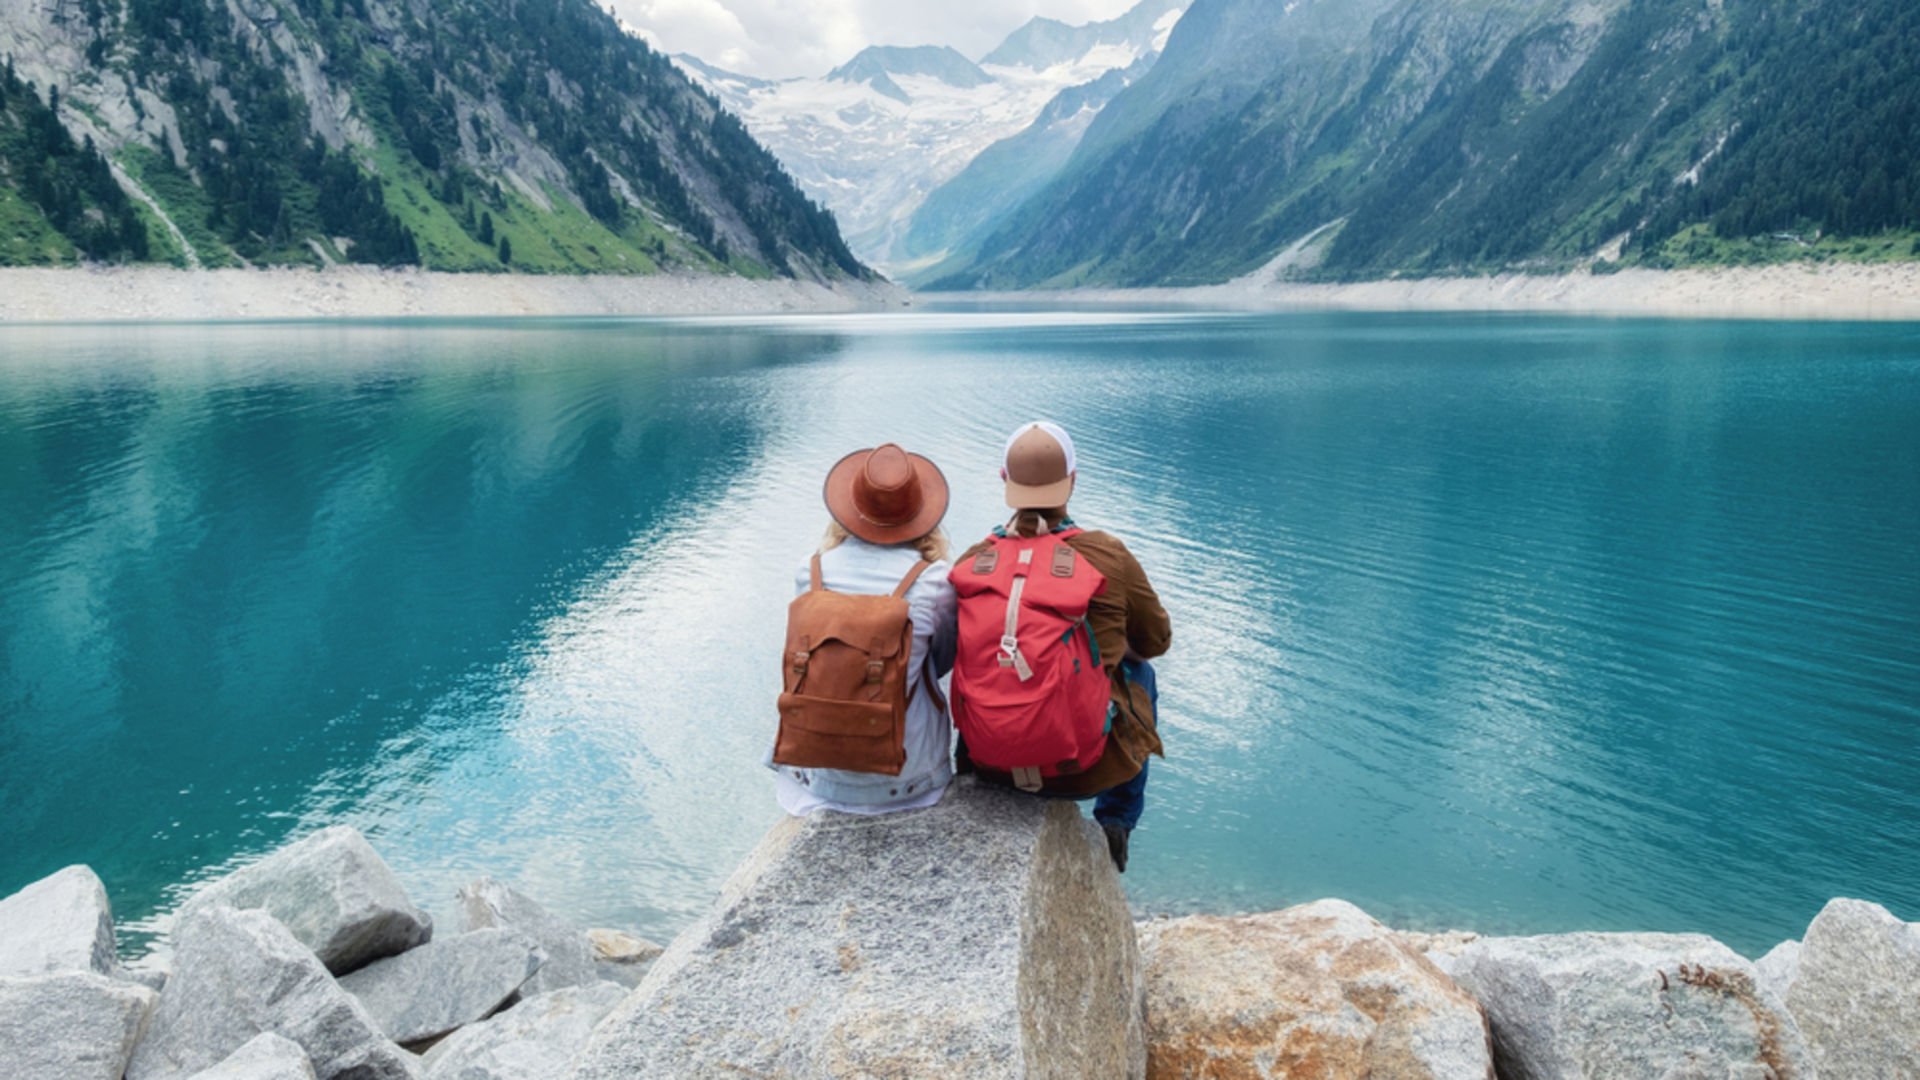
[856, 566]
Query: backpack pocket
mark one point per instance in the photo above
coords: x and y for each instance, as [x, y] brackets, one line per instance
[1030, 726]
[834, 733]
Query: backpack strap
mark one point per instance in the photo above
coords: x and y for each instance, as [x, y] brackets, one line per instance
[1010, 655]
[899, 590]
[933, 687]
[814, 571]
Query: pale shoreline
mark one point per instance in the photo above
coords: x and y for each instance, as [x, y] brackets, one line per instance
[1811, 291]
[1829, 291]
[147, 293]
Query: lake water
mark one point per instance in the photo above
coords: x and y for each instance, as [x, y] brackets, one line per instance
[1514, 623]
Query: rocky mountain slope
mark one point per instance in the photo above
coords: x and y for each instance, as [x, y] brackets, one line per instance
[877, 136]
[1462, 136]
[459, 135]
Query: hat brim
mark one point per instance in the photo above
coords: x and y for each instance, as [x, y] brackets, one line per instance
[1039, 496]
[838, 491]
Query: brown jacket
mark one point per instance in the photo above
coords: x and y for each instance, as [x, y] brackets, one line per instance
[1125, 616]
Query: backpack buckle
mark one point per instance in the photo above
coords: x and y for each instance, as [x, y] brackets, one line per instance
[874, 670]
[800, 662]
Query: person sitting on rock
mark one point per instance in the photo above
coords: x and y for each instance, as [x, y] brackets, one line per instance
[1052, 691]
[863, 726]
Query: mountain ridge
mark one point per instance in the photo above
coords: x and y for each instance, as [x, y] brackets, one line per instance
[1448, 137]
[880, 133]
[469, 135]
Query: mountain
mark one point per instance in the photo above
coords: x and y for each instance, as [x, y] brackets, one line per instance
[457, 135]
[879, 63]
[1005, 175]
[1464, 136]
[879, 134]
[1043, 43]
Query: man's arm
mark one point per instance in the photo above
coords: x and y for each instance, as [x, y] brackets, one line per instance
[1149, 631]
[1126, 616]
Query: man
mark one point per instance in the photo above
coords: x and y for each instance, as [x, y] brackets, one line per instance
[1127, 623]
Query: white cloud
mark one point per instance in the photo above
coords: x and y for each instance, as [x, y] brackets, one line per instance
[781, 38]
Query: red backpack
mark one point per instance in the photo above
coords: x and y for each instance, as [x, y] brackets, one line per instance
[1029, 695]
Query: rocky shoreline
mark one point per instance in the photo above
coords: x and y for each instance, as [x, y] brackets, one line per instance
[984, 937]
[1799, 291]
[148, 293]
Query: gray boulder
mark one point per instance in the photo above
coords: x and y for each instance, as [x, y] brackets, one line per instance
[431, 990]
[1628, 1006]
[239, 973]
[70, 1025]
[535, 1040]
[1776, 971]
[59, 923]
[488, 904]
[1321, 989]
[620, 957]
[1857, 992]
[154, 979]
[333, 891]
[984, 937]
[266, 1056]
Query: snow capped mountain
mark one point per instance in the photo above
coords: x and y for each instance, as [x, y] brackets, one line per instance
[1043, 42]
[882, 60]
[875, 136]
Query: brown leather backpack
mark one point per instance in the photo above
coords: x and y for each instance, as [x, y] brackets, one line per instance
[846, 680]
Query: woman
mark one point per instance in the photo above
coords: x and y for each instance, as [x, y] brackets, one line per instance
[886, 506]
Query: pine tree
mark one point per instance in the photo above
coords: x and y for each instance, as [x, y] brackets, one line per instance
[486, 231]
[506, 251]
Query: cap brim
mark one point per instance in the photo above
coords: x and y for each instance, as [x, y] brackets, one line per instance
[838, 492]
[1039, 496]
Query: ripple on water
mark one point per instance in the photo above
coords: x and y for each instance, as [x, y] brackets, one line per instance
[1513, 623]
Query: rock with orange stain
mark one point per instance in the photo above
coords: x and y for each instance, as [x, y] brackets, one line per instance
[1629, 1007]
[1316, 992]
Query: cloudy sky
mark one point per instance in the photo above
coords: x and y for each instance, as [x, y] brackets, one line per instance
[780, 38]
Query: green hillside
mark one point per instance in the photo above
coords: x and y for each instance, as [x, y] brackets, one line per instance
[1471, 136]
[469, 135]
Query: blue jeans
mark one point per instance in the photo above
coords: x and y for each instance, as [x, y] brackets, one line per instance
[1121, 804]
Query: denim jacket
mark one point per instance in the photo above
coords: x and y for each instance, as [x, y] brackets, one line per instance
[856, 566]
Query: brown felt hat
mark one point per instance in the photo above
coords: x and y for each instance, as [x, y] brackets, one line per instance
[886, 495]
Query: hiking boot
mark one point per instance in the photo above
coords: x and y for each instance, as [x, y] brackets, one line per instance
[1116, 844]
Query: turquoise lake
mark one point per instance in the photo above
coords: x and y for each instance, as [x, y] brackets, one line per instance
[1511, 623]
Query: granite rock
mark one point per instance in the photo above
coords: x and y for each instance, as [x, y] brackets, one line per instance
[154, 979]
[489, 904]
[431, 990]
[239, 973]
[983, 937]
[266, 1056]
[1628, 1006]
[535, 1040]
[1320, 990]
[618, 947]
[1776, 971]
[59, 923]
[70, 1025]
[620, 957]
[1856, 993]
[333, 891]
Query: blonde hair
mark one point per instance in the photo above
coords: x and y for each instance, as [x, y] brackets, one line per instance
[932, 547]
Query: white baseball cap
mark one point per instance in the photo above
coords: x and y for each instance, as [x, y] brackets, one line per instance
[1039, 466]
